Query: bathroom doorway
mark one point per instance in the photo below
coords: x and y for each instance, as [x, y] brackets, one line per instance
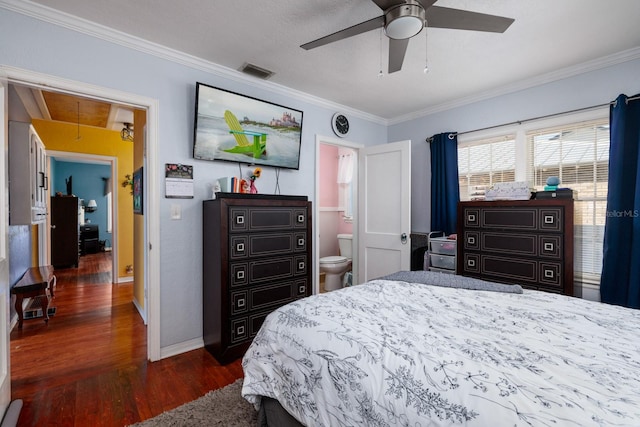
[336, 207]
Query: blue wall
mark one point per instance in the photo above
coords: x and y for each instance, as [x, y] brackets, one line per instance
[87, 184]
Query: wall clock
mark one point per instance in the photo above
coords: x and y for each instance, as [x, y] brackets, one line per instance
[340, 124]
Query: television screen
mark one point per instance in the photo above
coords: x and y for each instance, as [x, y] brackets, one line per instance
[237, 128]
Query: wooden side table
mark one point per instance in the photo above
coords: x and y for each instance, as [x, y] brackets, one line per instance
[34, 283]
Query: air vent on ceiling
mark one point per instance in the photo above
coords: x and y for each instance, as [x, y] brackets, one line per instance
[255, 71]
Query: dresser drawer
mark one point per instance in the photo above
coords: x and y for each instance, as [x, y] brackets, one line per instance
[515, 218]
[262, 297]
[243, 218]
[267, 270]
[267, 244]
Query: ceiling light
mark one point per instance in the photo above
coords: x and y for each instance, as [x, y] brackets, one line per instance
[404, 21]
[127, 132]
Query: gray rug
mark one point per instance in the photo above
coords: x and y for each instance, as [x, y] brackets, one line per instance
[223, 407]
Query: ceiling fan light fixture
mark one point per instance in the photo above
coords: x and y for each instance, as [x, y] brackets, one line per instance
[404, 21]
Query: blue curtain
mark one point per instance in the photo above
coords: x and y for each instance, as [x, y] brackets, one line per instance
[620, 281]
[445, 192]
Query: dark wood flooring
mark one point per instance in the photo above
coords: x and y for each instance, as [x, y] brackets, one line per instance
[88, 366]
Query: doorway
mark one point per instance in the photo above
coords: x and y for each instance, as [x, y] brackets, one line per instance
[110, 208]
[149, 230]
[336, 207]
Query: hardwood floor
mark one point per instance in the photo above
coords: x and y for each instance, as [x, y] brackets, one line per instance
[88, 366]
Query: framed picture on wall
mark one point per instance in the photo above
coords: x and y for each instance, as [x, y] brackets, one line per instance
[137, 192]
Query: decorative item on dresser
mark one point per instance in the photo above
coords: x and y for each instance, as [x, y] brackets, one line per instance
[527, 242]
[256, 258]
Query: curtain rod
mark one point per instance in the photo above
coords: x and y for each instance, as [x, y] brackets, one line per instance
[519, 122]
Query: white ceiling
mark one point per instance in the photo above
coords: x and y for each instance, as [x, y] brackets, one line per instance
[549, 39]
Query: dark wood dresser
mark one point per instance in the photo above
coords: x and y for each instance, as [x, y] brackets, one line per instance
[257, 257]
[527, 242]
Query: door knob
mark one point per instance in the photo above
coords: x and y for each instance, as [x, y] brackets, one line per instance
[403, 238]
[53, 226]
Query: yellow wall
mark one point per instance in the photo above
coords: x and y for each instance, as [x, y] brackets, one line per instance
[139, 122]
[62, 137]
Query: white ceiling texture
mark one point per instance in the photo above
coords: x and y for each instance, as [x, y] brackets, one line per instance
[549, 39]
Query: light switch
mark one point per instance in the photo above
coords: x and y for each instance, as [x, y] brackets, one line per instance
[176, 212]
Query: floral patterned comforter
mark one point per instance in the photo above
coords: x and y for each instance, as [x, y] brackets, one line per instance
[389, 353]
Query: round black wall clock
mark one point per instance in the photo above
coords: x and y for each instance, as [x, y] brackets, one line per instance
[340, 124]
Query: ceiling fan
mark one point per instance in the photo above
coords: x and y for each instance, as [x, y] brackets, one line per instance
[403, 19]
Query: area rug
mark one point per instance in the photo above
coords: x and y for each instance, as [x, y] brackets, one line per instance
[223, 407]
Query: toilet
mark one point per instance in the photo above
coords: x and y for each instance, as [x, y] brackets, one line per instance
[335, 266]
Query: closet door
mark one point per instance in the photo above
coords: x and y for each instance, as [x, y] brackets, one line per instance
[64, 231]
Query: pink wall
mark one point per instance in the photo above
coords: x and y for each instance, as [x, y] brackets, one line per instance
[329, 169]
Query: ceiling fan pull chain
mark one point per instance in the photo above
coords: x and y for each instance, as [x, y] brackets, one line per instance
[380, 73]
[426, 49]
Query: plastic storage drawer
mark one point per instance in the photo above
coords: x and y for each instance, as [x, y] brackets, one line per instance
[442, 246]
[443, 261]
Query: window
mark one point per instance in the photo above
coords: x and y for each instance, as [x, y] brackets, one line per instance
[579, 155]
[576, 151]
[483, 163]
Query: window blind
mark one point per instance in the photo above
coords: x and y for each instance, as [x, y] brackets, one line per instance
[579, 155]
[485, 162]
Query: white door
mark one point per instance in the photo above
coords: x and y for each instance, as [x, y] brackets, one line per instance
[384, 212]
[5, 297]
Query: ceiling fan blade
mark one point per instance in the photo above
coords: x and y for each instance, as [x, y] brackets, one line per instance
[426, 4]
[444, 17]
[397, 49]
[360, 28]
[386, 4]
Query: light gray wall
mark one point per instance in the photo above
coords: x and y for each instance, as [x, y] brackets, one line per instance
[34, 45]
[580, 91]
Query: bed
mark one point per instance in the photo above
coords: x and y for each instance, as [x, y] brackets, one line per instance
[431, 349]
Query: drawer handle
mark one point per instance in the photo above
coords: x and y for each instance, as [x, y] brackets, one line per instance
[471, 262]
[240, 219]
[300, 218]
[240, 330]
[471, 240]
[301, 265]
[240, 247]
[471, 218]
[240, 303]
[549, 274]
[301, 242]
[240, 274]
[548, 247]
[302, 289]
[549, 219]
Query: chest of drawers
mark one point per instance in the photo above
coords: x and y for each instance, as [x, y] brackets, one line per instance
[256, 258]
[522, 242]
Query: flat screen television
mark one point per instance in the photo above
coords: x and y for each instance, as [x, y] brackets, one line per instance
[238, 128]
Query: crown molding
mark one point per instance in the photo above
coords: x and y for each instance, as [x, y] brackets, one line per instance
[585, 67]
[74, 23]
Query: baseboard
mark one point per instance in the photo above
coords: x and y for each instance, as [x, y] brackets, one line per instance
[126, 279]
[141, 311]
[180, 348]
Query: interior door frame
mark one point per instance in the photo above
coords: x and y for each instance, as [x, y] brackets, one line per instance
[320, 139]
[90, 158]
[5, 296]
[152, 220]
